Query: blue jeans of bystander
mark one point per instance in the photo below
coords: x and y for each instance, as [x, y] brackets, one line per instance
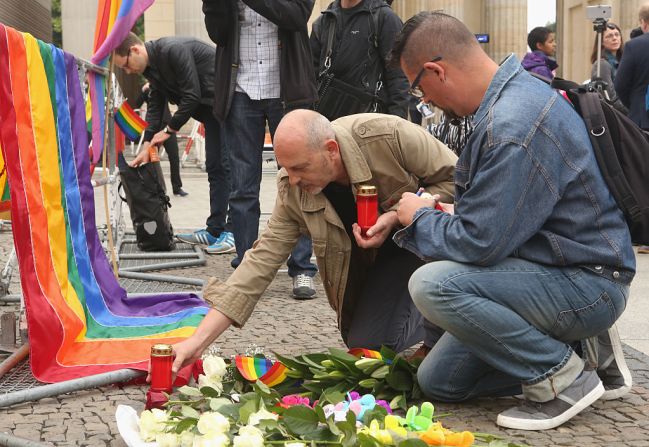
[245, 129]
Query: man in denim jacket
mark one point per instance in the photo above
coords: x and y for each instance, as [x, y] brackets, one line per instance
[534, 256]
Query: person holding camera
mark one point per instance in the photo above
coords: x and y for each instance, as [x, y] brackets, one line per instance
[534, 257]
[611, 52]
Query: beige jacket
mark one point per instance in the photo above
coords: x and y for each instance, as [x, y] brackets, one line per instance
[388, 152]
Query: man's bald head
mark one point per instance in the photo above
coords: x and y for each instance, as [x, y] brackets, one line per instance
[307, 127]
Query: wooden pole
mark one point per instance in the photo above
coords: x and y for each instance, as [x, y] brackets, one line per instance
[111, 245]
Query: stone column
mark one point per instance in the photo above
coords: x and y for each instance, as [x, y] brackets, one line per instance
[78, 23]
[190, 20]
[159, 20]
[506, 23]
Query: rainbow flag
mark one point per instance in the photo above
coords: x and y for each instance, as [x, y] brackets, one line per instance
[262, 369]
[115, 18]
[129, 122]
[80, 321]
[5, 198]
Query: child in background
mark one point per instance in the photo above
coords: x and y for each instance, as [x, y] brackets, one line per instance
[541, 60]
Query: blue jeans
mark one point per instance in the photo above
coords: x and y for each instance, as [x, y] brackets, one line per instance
[217, 165]
[508, 326]
[245, 129]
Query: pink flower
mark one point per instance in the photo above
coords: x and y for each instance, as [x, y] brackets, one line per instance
[354, 395]
[295, 399]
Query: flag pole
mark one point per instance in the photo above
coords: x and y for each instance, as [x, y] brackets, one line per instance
[104, 162]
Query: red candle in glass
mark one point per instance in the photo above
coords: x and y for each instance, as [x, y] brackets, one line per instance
[367, 207]
[162, 359]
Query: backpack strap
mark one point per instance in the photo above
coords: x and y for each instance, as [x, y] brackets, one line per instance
[600, 137]
[331, 32]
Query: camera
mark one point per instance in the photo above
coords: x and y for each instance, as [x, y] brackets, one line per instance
[598, 12]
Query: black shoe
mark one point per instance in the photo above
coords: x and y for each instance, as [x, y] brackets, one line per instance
[180, 192]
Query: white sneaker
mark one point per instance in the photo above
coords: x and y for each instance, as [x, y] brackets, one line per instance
[303, 287]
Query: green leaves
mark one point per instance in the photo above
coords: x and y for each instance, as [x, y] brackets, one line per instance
[301, 420]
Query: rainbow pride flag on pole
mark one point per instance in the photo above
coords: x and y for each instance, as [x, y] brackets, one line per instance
[129, 122]
[80, 321]
[115, 18]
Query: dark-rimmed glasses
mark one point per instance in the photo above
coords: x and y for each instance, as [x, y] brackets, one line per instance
[414, 89]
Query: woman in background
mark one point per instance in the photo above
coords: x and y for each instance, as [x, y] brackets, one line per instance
[611, 53]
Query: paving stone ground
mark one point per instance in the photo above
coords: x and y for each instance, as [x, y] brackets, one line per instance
[282, 324]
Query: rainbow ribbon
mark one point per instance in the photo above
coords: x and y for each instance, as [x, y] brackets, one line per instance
[262, 369]
[367, 353]
[80, 321]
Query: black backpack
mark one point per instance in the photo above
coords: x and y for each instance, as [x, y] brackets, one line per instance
[622, 153]
[148, 203]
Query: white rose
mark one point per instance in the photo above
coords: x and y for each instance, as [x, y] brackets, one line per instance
[211, 440]
[213, 422]
[167, 440]
[151, 423]
[214, 366]
[249, 436]
[260, 415]
[211, 381]
[186, 439]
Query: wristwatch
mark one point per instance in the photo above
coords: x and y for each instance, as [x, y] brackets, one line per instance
[168, 130]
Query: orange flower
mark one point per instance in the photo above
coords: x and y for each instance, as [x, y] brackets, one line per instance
[463, 439]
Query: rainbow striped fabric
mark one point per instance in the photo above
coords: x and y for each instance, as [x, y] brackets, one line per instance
[5, 198]
[80, 321]
[129, 122]
[115, 18]
[262, 369]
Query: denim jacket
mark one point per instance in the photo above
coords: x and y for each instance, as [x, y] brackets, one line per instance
[527, 185]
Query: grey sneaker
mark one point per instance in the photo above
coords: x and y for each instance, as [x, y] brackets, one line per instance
[612, 368]
[303, 287]
[585, 390]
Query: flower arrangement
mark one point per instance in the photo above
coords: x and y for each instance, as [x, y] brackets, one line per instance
[315, 404]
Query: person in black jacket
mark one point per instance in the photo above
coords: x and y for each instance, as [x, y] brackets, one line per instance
[180, 71]
[263, 69]
[632, 78]
[359, 50]
[170, 145]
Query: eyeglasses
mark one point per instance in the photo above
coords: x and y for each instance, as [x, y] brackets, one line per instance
[128, 55]
[415, 90]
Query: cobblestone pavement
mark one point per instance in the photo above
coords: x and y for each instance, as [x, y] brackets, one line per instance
[280, 323]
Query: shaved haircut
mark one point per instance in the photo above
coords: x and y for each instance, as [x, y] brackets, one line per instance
[429, 34]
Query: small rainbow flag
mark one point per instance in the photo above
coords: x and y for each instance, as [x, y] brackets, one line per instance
[129, 122]
[367, 353]
[262, 369]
